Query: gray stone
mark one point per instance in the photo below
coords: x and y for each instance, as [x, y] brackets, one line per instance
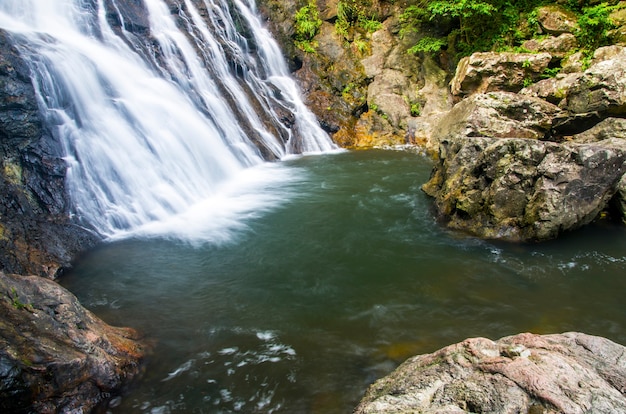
[557, 46]
[601, 88]
[556, 20]
[497, 115]
[491, 71]
[571, 373]
[606, 129]
[522, 189]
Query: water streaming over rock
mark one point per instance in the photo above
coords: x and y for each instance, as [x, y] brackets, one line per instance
[162, 108]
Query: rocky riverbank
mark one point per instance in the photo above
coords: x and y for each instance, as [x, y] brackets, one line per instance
[56, 356]
[518, 157]
[527, 145]
[550, 374]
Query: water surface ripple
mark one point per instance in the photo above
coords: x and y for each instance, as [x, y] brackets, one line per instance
[311, 301]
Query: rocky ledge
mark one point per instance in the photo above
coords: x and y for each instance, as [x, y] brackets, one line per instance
[55, 356]
[526, 373]
[527, 164]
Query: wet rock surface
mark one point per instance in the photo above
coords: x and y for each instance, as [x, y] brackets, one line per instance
[36, 234]
[567, 373]
[55, 356]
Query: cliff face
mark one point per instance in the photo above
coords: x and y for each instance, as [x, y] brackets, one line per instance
[36, 233]
[360, 81]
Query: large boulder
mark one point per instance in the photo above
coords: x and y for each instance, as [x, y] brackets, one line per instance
[602, 87]
[569, 373]
[491, 71]
[497, 115]
[556, 20]
[557, 46]
[523, 189]
[56, 356]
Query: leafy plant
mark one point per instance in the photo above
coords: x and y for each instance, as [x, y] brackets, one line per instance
[473, 25]
[551, 72]
[369, 24]
[15, 300]
[428, 45]
[416, 109]
[361, 45]
[307, 25]
[352, 14]
[593, 25]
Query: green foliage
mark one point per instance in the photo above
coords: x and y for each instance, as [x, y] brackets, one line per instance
[476, 25]
[369, 24]
[428, 45]
[416, 109]
[482, 25]
[361, 45]
[593, 25]
[527, 82]
[307, 25]
[550, 72]
[472, 15]
[15, 300]
[353, 14]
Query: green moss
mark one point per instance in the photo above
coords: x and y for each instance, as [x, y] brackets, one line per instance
[12, 172]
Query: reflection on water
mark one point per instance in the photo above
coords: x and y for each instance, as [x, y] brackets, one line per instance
[319, 297]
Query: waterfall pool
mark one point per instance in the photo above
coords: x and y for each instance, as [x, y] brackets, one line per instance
[302, 306]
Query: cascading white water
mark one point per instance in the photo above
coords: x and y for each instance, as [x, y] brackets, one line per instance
[150, 138]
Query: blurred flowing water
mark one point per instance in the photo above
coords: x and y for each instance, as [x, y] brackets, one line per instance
[161, 123]
[299, 307]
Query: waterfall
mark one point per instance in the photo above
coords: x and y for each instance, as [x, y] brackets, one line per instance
[162, 108]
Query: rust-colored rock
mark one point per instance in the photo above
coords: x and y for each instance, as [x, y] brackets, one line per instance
[56, 356]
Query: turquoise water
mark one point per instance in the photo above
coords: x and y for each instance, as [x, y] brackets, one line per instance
[303, 306]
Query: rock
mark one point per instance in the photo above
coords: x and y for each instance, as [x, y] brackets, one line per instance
[552, 90]
[601, 88]
[522, 189]
[131, 13]
[36, 233]
[385, 93]
[606, 129]
[491, 71]
[573, 63]
[607, 53]
[497, 115]
[570, 373]
[618, 18]
[56, 356]
[620, 198]
[556, 20]
[558, 47]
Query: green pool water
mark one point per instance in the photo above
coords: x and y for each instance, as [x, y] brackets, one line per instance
[301, 307]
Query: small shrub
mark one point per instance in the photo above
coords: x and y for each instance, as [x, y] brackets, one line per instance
[428, 45]
[593, 25]
[307, 25]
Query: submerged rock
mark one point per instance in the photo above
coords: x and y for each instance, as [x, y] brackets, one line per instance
[567, 373]
[56, 356]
